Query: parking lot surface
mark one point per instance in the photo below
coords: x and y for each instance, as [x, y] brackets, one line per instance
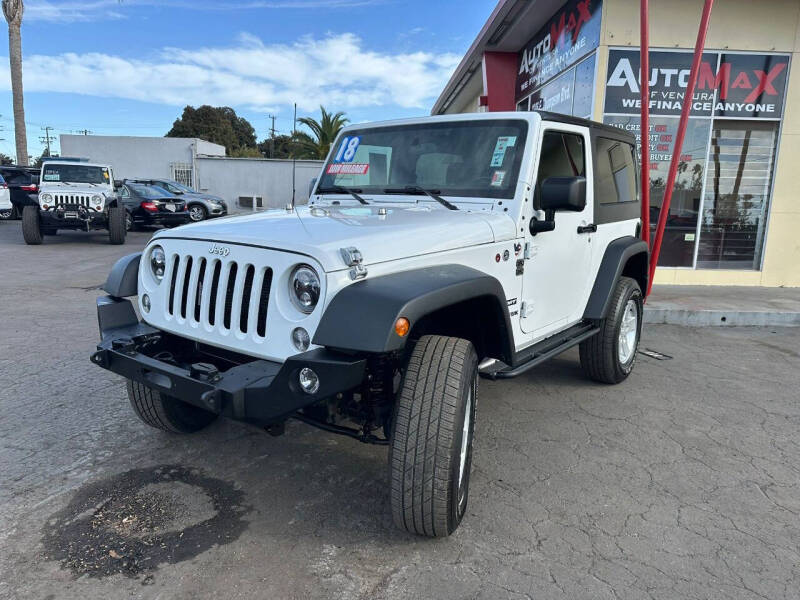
[682, 482]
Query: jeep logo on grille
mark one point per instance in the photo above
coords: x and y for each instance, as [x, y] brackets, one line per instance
[221, 250]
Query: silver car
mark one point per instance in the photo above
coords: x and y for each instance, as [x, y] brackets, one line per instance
[201, 206]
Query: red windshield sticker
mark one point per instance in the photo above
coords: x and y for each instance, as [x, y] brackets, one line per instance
[348, 169]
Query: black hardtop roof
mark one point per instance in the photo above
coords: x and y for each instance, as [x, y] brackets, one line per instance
[596, 127]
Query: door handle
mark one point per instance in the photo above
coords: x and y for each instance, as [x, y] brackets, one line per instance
[591, 228]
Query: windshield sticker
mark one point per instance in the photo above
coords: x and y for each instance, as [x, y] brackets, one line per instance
[347, 169]
[499, 154]
[347, 149]
[52, 176]
[497, 178]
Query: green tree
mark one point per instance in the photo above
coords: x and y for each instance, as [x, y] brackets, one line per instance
[5, 160]
[283, 147]
[12, 10]
[323, 133]
[217, 124]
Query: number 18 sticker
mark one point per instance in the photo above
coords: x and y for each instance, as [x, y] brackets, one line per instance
[347, 149]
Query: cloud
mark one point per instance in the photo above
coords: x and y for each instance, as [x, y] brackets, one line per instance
[70, 11]
[336, 71]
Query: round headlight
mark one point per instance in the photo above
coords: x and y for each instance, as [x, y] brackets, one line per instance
[158, 262]
[45, 197]
[304, 288]
[97, 199]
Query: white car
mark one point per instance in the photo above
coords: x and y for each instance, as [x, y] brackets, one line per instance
[6, 208]
[432, 251]
[74, 195]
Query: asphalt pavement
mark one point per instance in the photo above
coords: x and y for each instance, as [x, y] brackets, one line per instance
[682, 482]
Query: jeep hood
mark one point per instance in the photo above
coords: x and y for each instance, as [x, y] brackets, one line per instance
[74, 188]
[403, 231]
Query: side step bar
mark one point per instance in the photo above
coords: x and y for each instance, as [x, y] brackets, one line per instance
[545, 350]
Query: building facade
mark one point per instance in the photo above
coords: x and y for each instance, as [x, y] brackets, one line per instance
[246, 184]
[735, 208]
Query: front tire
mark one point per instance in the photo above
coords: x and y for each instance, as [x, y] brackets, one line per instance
[609, 356]
[116, 225]
[197, 213]
[31, 226]
[430, 456]
[165, 412]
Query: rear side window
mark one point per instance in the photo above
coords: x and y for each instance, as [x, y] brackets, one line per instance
[615, 177]
[2, 180]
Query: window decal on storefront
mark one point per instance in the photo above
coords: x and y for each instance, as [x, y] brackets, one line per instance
[718, 215]
[548, 74]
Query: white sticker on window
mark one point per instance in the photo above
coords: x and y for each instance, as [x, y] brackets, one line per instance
[503, 142]
[497, 178]
[52, 176]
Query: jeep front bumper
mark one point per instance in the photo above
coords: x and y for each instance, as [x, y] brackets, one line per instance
[260, 392]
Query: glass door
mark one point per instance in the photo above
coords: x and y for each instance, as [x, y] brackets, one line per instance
[736, 198]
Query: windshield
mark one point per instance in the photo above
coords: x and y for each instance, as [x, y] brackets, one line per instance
[54, 173]
[150, 191]
[463, 158]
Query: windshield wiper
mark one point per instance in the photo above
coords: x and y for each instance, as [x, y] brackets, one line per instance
[343, 190]
[415, 189]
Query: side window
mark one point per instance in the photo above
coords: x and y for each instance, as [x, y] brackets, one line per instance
[615, 179]
[563, 155]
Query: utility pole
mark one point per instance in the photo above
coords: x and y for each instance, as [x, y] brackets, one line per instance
[47, 139]
[272, 137]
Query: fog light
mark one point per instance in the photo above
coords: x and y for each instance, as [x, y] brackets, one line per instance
[300, 339]
[146, 303]
[309, 381]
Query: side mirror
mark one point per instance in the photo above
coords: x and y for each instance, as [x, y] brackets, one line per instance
[311, 185]
[563, 193]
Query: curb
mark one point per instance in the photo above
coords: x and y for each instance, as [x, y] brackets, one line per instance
[720, 318]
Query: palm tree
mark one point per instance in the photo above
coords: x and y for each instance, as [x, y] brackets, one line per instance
[12, 9]
[324, 132]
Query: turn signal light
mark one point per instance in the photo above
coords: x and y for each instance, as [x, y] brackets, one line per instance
[401, 327]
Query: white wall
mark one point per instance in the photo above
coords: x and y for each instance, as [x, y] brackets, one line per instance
[136, 156]
[230, 178]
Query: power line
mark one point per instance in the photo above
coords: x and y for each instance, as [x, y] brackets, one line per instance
[47, 139]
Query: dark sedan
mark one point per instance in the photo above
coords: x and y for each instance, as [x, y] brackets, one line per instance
[23, 187]
[151, 205]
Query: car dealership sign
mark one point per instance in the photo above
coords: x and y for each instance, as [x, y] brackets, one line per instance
[728, 85]
[572, 33]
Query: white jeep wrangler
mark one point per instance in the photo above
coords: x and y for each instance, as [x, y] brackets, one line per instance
[432, 250]
[74, 195]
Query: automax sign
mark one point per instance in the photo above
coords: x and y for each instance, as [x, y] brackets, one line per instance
[572, 33]
[728, 85]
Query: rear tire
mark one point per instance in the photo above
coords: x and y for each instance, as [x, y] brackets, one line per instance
[609, 356]
[31, 225]
[165, 412]
[116, 225]
[430, 456]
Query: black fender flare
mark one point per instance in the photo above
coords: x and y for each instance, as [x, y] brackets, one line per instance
[361, 316]
[615, 260]
[123, 280]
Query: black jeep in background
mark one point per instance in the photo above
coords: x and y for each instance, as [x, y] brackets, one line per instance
[23, 186]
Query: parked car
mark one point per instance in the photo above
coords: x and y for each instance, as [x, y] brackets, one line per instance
[147, 204]
[432, 251]
[23, 187]
[201, 206]
[6, 208]
[74, 195]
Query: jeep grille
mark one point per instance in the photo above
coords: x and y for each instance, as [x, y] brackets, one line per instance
[220, 294]
[71, 199]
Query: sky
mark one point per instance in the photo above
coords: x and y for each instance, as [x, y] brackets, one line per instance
[128, 67]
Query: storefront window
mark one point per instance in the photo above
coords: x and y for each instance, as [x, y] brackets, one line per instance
[739, 175]
[718, 214]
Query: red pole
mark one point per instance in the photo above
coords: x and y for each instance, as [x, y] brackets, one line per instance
[699, 46]
[644, 85]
